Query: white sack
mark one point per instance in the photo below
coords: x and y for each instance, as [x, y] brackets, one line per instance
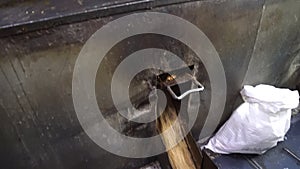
[259, 123]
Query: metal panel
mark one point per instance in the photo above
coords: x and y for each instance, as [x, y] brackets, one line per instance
[39, 128]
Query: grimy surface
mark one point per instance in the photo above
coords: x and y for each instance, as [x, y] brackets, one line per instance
[258, 42]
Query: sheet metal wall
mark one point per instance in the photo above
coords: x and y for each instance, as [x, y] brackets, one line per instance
[257, 41]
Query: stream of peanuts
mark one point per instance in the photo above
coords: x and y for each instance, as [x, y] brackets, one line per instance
[179, 155]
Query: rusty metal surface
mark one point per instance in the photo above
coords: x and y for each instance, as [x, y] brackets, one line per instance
[38, 125]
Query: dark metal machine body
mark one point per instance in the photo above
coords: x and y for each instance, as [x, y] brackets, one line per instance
[257, 41]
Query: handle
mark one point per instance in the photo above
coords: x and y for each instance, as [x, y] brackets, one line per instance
[200, 88]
